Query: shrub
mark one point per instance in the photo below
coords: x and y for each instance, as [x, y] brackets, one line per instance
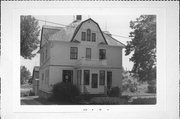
[107, 100]
[115, 92]
[152, 86]
[64, 92]
[144, 101]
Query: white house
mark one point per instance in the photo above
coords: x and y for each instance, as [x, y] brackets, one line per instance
[80, 53]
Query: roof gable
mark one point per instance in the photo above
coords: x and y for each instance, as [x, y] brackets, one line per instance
[80, 25]
[69, 33]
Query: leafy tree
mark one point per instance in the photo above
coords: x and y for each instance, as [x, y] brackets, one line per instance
[143, 47]
[25, 74]
[29, 36]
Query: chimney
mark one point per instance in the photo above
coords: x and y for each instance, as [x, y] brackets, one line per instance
[78, 17]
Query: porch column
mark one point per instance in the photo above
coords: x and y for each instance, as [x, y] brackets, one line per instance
[105, 83]
[82, 81]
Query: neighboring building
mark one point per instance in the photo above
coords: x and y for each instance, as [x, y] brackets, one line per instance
[81, 54]
[35, 80]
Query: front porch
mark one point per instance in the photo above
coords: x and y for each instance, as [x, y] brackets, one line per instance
[93, 80]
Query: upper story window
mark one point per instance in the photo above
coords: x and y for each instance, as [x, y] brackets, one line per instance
[102, 54]
[88, 34]
[93, 37]
[83, 36]
[88, 53]
[73, 53]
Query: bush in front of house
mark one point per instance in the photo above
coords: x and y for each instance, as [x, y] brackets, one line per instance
[115, 92]
[64, 92]
[144, 101]
[152, 86]
[107, 101]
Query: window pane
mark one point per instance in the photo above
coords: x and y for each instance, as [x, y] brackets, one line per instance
[88, 34]
[93, 37]
[73, 53]
[86, 77]
[102, 54]
[101, 77]
[83, 36]
[88, 53]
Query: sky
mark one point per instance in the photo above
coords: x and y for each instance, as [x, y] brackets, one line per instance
[116, 25]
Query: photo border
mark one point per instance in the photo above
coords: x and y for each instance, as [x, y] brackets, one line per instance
[162, 89]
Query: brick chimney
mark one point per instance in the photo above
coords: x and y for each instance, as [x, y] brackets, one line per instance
[78, 17]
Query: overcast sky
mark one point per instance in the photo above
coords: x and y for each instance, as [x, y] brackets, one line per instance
[116, 25]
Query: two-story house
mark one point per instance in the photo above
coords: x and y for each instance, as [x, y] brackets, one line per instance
[80, 53]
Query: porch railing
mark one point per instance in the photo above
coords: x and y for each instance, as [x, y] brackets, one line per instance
[91, 62]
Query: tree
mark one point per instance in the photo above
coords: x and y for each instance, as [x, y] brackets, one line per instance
[29, 36]
[143, 47]
[25, 74]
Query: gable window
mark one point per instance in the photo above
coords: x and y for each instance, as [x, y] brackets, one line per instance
[93, 37]
[102, 54]
[73, 53]
[83, 36]
[88, 53]
[101, 77]
[86, 77]
[88, 34]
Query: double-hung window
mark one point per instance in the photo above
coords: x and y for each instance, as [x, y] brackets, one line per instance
[88, 53]
[83, 36]
[93, 37]
[73, 53]
[88, 34]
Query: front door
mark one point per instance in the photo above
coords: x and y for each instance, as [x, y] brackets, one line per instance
[67, 76]
[94, 80]
[109, 79]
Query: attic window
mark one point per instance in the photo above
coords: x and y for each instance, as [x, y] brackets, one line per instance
[83, 36]
[88, 34]
[93, 37]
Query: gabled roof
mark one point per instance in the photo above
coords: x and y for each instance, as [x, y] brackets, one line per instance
[79, 26]
[112, 41]
[48, 31]
[69, 32]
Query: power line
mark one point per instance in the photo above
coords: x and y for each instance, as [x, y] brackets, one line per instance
[51, 22]
[92, 30]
